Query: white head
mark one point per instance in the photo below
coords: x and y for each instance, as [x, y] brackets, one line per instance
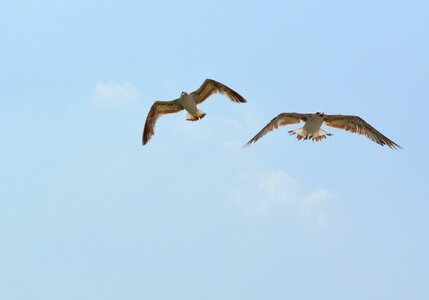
[321, 114]
[183, 94]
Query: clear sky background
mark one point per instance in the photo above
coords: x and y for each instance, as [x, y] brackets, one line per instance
[86, 212]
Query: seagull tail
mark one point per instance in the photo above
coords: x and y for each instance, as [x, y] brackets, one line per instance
[195, 117]
[302, 134]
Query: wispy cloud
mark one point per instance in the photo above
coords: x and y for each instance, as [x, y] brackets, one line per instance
[267, 191]
[315, 198]
[114, 93]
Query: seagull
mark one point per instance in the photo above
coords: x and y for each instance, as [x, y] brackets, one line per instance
[188, 102]
[313, 121]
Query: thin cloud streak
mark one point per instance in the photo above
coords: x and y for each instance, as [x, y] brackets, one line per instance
[114, 93]
[270, 190]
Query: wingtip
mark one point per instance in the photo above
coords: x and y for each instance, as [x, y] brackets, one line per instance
[391, 145]
[144, 141]
[396, 147]
[247, 145]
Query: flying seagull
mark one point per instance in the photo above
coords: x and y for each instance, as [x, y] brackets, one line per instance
[188, 102]
[313, 121]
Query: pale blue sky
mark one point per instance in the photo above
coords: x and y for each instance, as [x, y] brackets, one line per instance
[86, 212]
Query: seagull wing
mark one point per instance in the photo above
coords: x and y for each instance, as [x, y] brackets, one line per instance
[210, 87]
[357, 125]
[158, 109]
[281, 120]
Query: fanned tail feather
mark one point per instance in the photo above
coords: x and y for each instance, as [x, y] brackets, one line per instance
[302, 134]
[195, 117]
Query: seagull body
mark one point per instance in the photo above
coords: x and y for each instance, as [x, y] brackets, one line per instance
[312, 127]
[189, 103]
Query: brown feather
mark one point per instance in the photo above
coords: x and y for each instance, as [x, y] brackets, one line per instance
[210, 87]
[158, 109]
[281, 120]
[357, 125]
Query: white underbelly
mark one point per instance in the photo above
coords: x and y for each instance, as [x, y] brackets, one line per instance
[312, 126]
[189, 104]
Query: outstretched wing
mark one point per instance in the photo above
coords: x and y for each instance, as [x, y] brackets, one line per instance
[357, 125]
[158, 109]
[281, 120]
[210, 87]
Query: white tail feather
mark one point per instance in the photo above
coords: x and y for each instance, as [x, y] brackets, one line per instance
[195, 117]
[302, 134]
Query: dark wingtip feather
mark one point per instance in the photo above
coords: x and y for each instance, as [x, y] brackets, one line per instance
[394, 146]
[145, 138]
[245, 146]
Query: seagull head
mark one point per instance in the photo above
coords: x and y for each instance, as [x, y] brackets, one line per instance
[183, 94]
